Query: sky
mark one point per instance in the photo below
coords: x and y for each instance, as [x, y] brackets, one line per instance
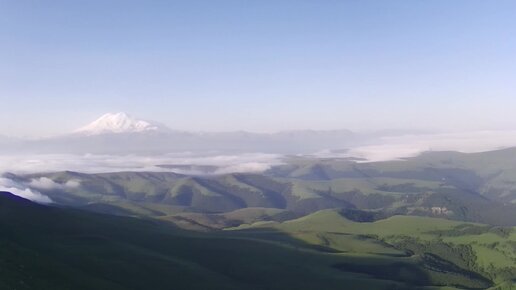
[262, 66]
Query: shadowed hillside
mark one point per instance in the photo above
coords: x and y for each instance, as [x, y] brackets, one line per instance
[57, 248]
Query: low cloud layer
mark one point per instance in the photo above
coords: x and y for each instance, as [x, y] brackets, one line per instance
[23, 190]
[396, 147]
[45, 183]
[385, 148]
[186, 163]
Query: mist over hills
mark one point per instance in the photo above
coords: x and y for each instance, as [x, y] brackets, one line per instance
[345, 246]
[437, 220]
[443, 184]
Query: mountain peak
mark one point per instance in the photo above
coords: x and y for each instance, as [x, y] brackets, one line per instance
[119, 123]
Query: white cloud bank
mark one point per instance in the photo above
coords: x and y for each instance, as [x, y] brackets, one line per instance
[46, 183]
[386, 148]
[89, 163]
[26, 164]
[392, 148]
[22, 190]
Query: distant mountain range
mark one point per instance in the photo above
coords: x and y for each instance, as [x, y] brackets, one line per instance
[121, 133]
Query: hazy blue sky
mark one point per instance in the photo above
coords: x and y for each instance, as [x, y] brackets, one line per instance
[260, 65]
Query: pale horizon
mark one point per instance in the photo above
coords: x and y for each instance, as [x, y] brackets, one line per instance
[229, 66]
[71, 128]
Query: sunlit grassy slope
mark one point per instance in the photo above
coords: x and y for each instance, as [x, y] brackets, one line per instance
[443, 219]
[58, 248]
[486, 250]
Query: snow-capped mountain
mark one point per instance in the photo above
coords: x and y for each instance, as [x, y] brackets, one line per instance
[119, 123]
[120, 133]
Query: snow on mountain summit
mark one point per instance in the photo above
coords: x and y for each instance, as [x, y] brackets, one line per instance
[119, 123]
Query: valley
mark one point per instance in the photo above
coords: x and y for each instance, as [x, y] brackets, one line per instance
[442, 220]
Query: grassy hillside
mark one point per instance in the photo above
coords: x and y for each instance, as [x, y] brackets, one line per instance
[59, 248]
[443, 219]
[465, 250]
[413, 187]
[491, 174]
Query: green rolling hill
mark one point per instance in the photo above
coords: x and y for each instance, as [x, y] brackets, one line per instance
[465, 251]
[442, 220]
[45, 247]
[448, 185]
